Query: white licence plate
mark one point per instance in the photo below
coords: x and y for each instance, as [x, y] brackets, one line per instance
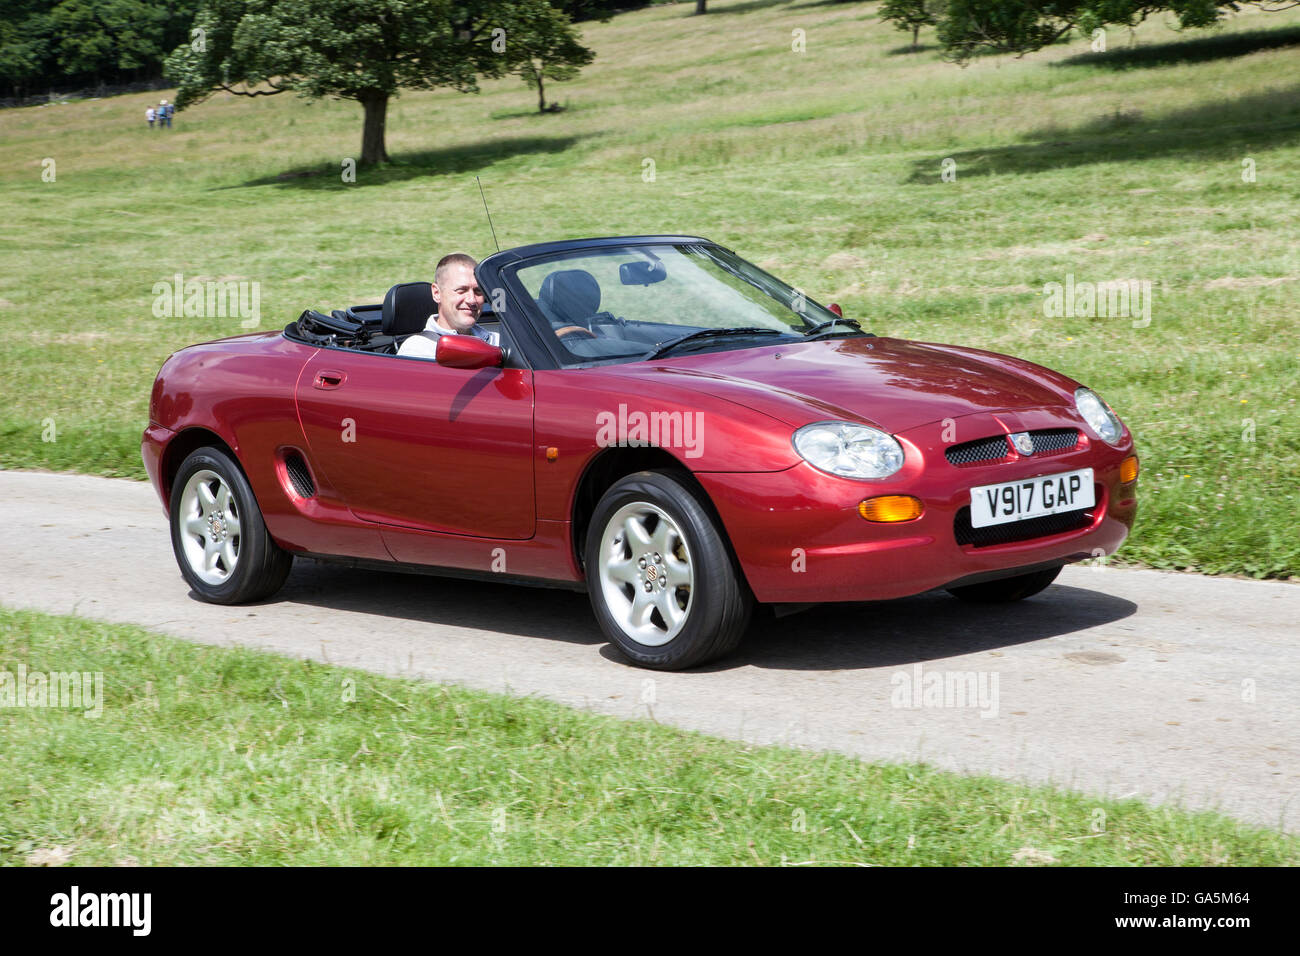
[1031, 498]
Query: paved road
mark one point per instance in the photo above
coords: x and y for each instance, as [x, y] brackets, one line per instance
[1175, 688]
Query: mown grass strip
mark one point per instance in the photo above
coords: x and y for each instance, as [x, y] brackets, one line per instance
[207, 755]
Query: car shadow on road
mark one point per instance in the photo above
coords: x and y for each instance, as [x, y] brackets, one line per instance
[834, 637]
[454, 602]
[927, 627]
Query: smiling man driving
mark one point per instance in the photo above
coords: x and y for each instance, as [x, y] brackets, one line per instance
[459, 299]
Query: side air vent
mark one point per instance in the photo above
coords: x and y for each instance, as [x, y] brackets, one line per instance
[299, 476]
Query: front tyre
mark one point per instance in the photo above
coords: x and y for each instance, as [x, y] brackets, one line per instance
[1006, 589]
[662, 581]
[221, 543]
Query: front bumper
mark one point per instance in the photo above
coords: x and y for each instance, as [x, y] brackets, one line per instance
[799, 538]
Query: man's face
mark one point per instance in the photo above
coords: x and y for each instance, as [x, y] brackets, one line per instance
[460, 300]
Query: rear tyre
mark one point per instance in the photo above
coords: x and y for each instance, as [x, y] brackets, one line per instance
[1006, 589]
[221, 543]
[662, 581]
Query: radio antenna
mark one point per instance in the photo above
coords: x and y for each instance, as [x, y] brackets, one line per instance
[489, 214]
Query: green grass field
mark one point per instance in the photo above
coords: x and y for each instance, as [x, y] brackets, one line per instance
[824, 166]
[215, 756]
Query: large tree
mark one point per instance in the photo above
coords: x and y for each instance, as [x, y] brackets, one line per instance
[363, 50]
[910, 15]
[969, 27]
[541, 44]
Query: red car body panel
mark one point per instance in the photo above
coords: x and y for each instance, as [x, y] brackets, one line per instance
[419, 445]
[479, 471]
[891, 383]
[242, 390]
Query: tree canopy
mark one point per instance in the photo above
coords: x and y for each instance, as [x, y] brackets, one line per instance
[63, 43]
[968, 27]
[541, 44]
[911, 15]
[362, 50]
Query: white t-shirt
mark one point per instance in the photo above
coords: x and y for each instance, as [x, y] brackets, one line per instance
[425, 344]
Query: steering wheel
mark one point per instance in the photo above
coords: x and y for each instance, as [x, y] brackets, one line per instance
[567, 329]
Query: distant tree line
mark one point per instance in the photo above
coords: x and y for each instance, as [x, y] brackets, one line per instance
[579, 10]
[75, 44]
[967, 28]
[66, 45]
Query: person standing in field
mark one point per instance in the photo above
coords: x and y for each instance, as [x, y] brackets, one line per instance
[149, 116]
[164, 115]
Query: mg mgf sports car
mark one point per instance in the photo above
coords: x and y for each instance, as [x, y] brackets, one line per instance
[663, 425]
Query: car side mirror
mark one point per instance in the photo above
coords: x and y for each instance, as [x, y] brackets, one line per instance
[468, 352]
[835, 307]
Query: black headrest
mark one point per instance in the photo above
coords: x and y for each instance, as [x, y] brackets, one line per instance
[569, 296]
[407, 308]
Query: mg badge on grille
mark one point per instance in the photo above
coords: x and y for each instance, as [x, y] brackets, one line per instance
[1024, 442]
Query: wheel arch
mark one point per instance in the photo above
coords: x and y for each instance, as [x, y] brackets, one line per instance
[616, 463]
[182, 446]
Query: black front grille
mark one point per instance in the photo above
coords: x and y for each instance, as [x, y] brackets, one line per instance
[982, 449]
[299, 476]
[1047, 441]
[1014, 531]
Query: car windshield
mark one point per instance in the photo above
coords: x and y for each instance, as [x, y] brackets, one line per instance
[632, 303]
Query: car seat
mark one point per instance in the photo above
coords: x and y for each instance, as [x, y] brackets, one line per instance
[569, 297]
[406, 310]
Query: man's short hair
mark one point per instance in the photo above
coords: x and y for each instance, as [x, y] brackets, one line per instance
[455, 259]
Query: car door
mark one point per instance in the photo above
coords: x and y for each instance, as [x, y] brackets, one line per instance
[408, 442]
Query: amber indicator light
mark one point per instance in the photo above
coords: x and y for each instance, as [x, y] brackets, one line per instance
[891, 508]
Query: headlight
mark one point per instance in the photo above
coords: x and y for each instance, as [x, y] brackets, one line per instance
[849, 450]
[1098, 415]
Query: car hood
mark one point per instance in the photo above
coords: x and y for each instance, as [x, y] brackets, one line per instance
[894, 384]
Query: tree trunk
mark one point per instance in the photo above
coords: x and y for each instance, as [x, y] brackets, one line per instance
[699, 7]
[373, 149]
[916, 33]
[541, 94]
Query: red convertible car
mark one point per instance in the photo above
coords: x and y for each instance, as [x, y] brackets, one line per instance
[663, 425]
